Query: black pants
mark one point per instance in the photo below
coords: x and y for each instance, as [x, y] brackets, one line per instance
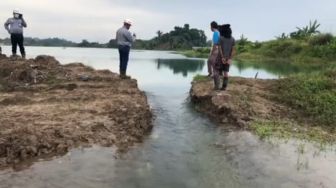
[124, 52]
[17, 39]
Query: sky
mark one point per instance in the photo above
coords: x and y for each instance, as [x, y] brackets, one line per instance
[98, 20]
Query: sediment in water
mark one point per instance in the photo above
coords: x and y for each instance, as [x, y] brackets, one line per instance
[47, 108]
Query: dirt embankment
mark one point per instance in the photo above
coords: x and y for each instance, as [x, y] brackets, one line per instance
[47, 108]
[245, 100]
[253, 104]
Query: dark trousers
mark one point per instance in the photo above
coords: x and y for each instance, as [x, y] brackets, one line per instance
[124, 52]
[17, 39]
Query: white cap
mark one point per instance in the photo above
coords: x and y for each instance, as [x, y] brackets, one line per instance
[16, 11]
[128, 21]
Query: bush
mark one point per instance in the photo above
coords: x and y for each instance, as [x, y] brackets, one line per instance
[321, 39]
[326, 51]
[282, 48]
[314, 95]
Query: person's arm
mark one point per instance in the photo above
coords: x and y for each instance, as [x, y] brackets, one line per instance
[7, 25]
[129, 37]
[24, 23]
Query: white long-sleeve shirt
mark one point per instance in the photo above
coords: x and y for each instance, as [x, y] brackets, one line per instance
[124, 37]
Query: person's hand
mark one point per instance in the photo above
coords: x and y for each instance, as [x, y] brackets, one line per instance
[224, 61]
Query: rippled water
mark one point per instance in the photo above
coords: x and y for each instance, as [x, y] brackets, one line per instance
[185, 149]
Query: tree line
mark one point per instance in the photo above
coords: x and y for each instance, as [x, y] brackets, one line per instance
[181, 38]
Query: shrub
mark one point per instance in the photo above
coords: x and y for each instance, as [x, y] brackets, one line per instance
[321, 39]
[326, 51]
[314, 95]
[282, 48]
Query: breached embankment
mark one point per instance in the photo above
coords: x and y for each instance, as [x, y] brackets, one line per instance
[245, 100]
[47, 108]
[254, 104]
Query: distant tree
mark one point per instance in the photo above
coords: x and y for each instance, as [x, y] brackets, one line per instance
[159, 33]
[282, 36]
[84, 43]
[306, 31]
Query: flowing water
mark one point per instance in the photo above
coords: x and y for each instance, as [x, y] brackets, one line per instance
[184, 149]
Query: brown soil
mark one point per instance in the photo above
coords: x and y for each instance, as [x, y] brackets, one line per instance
[47, 108]
[245, 101]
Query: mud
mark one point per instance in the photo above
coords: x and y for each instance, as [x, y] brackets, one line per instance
[245, 101]
[47, 108]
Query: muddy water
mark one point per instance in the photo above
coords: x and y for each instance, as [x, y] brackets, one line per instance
[185, 149]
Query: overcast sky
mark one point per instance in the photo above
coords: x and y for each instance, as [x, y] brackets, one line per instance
[97, 20]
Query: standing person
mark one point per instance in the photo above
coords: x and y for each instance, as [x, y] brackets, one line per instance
[226, 53]
[214, 50]
[15, 26]
[125, 40]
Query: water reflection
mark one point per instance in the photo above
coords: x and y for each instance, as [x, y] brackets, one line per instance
[279, 68]
[183, 66]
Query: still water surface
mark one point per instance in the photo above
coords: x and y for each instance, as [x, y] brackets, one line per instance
[185, 149]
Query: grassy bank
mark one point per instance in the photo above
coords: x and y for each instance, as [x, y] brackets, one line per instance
[197, 53]
[314, 95]
[301, 106]
[311, 100]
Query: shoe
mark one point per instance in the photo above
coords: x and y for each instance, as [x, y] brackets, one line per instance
[225, 83]
[124, 76]
[216, 82]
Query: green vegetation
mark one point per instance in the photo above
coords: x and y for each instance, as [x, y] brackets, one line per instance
[181, 38]
[200, 78]
[304, 47]
[197, 52]
[57, 42]
[312, 94]
[266, 129]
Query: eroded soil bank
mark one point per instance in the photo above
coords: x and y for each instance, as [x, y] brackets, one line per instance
[252, 104]
[47, 108]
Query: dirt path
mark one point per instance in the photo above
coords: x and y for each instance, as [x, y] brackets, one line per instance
[47, 108]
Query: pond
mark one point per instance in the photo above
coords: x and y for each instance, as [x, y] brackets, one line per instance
[185, 149]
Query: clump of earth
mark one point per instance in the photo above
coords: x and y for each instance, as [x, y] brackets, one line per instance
[47, 108]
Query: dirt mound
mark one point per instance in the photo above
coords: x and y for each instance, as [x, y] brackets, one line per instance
[47, 108]
[245, 100]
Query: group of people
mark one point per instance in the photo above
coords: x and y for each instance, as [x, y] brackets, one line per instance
[219, 60]
[222, 52]
[125, 39]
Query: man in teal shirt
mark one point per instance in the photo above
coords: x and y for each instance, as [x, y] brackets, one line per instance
[214, 50]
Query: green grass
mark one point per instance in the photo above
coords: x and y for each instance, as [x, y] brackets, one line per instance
[312, 94]
[200, 78]
[197, 53]
[266, 129]
[320, 49]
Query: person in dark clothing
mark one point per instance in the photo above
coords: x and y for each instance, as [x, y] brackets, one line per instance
[15, 26]
[226, 53]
